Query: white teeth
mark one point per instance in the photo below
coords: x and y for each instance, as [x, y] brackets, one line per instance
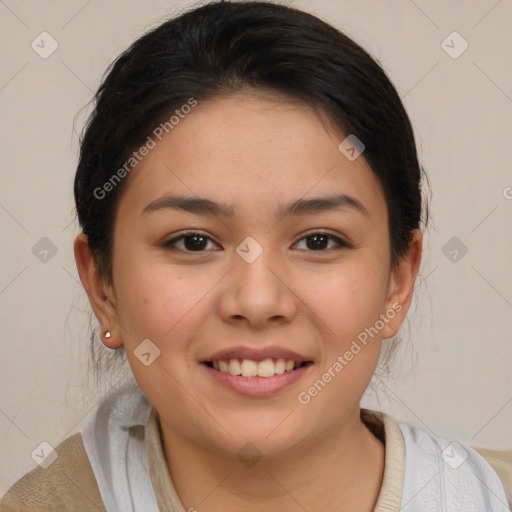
[234, 367]
[249, 368]
[280, 366]
[266, 368]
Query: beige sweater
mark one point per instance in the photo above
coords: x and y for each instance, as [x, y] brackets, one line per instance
[69, 484]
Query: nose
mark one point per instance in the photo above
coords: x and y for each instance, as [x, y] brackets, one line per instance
[257, 293]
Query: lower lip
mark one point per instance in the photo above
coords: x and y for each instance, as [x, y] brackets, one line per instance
[257, 386]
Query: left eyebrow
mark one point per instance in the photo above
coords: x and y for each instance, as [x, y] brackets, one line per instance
[203, 206]
[321, 204]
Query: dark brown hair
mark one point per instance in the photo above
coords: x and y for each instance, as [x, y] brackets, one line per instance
[221, 48]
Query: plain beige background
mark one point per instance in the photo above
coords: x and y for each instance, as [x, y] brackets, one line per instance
[453, 374]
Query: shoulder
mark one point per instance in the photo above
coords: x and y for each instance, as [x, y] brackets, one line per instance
[450, 471]
[501, 462]
[66, 485]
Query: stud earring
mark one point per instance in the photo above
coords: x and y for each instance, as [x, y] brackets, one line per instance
[107, 334]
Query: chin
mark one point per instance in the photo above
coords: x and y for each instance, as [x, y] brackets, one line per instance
[267, 434]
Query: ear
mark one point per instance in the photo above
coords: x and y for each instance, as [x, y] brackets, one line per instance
[401, 285]
[100, 295]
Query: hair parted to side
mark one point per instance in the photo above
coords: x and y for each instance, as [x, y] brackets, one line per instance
[223, 48]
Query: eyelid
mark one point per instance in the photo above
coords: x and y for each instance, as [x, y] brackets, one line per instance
[340, 241]
[169, 244]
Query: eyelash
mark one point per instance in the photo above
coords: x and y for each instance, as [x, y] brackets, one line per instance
[341, 244]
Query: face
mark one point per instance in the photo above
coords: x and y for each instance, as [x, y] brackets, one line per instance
[246, 242]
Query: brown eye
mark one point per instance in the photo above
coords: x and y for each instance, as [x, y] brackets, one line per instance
[322, 242]
[194, 242]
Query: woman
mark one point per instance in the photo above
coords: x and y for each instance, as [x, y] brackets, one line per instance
[250, 199]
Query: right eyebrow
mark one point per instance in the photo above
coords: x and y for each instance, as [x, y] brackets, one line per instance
[198, 205]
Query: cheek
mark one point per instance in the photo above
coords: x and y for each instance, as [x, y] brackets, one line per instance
[162, 304]
[160, 301]
[349, 305]
[349, 297]
[348, 300]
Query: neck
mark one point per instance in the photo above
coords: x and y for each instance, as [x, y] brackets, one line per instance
[341, 471]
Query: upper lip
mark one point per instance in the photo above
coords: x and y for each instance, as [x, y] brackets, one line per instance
[257, 354]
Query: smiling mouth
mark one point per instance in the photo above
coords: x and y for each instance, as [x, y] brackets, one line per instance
[249, 368]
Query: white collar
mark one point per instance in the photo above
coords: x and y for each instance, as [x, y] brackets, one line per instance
[114, 437]
[447, 476]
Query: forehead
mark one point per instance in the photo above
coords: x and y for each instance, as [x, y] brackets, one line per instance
[253, 151]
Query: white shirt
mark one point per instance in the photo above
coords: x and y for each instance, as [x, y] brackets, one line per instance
[423, 473]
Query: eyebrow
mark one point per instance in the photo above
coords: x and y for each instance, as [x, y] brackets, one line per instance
[203, 206]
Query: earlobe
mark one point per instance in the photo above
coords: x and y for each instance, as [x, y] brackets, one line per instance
[97, 292]
[401, 284]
